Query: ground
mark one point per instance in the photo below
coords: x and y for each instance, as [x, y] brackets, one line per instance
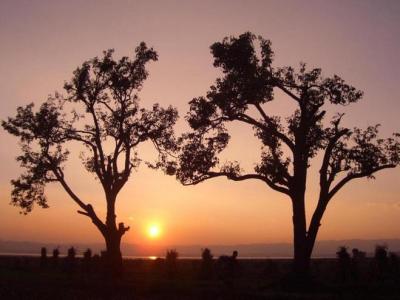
[29, 278]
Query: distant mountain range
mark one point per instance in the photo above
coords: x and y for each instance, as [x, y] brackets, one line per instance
[274, 250]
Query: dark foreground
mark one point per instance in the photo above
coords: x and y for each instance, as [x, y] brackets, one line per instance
[28, 278]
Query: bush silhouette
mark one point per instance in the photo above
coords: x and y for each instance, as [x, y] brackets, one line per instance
[381, 261]
[43, 257]
[358, 257]
[56, 254]
[171, 258]
[207, 264]
[344, 263]
[394, 264]
[228, 266]
[87, 255]
[87, 259]
[206, 255]
[70, 260]
[71, 253]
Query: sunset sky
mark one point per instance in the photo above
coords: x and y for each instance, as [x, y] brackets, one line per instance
[42, 42]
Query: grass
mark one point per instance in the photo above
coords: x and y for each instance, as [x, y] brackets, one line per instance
[24, 278]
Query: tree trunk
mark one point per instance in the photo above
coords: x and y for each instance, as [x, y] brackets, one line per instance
[113, 255]
[112, 237]
[315, 224]
[301, 255]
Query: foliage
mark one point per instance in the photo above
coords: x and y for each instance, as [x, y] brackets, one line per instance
[342, 254]
[171, 255]
[43, 252]
[206, 255]
[249, 82]
[381, 253]
[56, 253]
[171, 259]
[71, 253]
[87, 255]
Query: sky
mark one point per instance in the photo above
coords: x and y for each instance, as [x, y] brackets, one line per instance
[42, 42]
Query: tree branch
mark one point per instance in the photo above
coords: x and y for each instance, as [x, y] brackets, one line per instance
[112, 111]
[278, 134]
[324, 183]
[249, 120]
[95, 156]
[98, 138]
[288, 92]
[87, 208]
[350, 177]
[234, 177]
[122, 229]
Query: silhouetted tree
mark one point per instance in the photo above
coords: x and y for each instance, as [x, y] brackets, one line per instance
[101, 112]
[357, 259]
[207, 263]
[344, 263]
[87, 259]
[171, 258]
[228, 266]
[43, 257]
[394, 264]
[357, 254]
[71, 253]
[56, 254]
[381, 260]
[70, 259]
[248, 84]
[206, 255]
[87, 255]
[97, 262]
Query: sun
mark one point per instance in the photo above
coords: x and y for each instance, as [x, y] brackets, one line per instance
[154, 231]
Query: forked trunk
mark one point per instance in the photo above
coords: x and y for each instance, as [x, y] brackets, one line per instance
[304, 241]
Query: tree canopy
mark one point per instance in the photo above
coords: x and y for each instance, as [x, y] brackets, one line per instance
[101, 112]
[249, 82]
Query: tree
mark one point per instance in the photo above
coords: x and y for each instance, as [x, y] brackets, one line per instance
[101, 112]
[248, 84]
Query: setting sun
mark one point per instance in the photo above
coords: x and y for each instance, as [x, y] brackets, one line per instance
[153, 231]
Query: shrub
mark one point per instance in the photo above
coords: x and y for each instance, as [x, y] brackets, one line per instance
[170, 260]
[87, 255]
[56, 253]
[206, 254]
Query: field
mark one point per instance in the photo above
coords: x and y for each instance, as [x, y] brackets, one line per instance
[29, 278]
